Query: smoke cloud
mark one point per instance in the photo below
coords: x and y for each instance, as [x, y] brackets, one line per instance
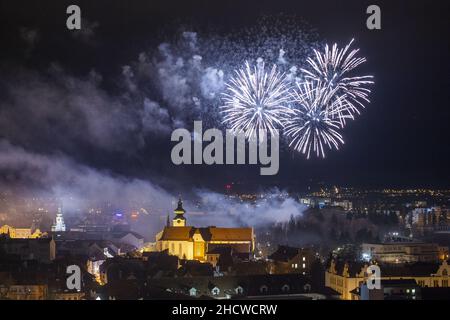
[76, 136]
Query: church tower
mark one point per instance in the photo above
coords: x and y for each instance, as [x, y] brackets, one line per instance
[59, 225]
[179, 220]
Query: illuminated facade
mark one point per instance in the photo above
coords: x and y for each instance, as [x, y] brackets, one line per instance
[27, 292]
[59, 225]
[20, 233]
[404, 252]
[193, 243]
[345, 277]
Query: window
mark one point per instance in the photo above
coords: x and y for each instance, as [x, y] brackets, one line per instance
[263, 289]
[285, 288]
[304, 258]
[445, 272]
[304, 265]
[215, 291]
[239, 290]
[435, 283]
[445, 283]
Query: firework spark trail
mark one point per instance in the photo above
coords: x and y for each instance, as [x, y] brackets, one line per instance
[256, 99]
[331, 68]
[311, 124]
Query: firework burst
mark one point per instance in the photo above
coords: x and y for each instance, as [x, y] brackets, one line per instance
[311, 124]
[331, 69]
[255, 99]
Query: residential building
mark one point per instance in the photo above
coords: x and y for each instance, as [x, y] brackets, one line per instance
[291, 260]
[404, 252]
[344, 277]
[41, 249]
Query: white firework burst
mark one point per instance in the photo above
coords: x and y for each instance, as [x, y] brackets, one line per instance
[331, 68]
[255, 99]
[312, 123]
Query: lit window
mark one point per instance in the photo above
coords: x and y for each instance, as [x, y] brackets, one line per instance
[304, 265]
[304, 258]
[215, 291]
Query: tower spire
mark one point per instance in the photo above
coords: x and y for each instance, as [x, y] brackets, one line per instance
[179, 220]
[59, 224]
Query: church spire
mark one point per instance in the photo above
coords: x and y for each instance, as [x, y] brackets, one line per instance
[179, 220]
[179, 209]
[59, 224]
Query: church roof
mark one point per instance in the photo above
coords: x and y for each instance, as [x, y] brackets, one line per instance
[236, 234]
[177, 233]
[208, 234]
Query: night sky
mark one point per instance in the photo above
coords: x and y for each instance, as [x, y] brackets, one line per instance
[48, 75]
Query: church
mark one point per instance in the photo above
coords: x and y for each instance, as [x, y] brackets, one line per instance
[194, 243]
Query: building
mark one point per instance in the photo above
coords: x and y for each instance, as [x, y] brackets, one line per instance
[429, 220]
[285, 286]
[67, 295]
[194, 243]
[41, 250]
[344, 204]
[59, 225]
[398, 289]
[291, 260]
[344, 277]
[20, 232]
[404, 252]
[27, 292]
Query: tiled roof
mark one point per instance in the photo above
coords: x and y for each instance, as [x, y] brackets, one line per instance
[177, 233]
[237, 234]
[208, 234]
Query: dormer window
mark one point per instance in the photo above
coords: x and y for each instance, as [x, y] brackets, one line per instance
[215, 291]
